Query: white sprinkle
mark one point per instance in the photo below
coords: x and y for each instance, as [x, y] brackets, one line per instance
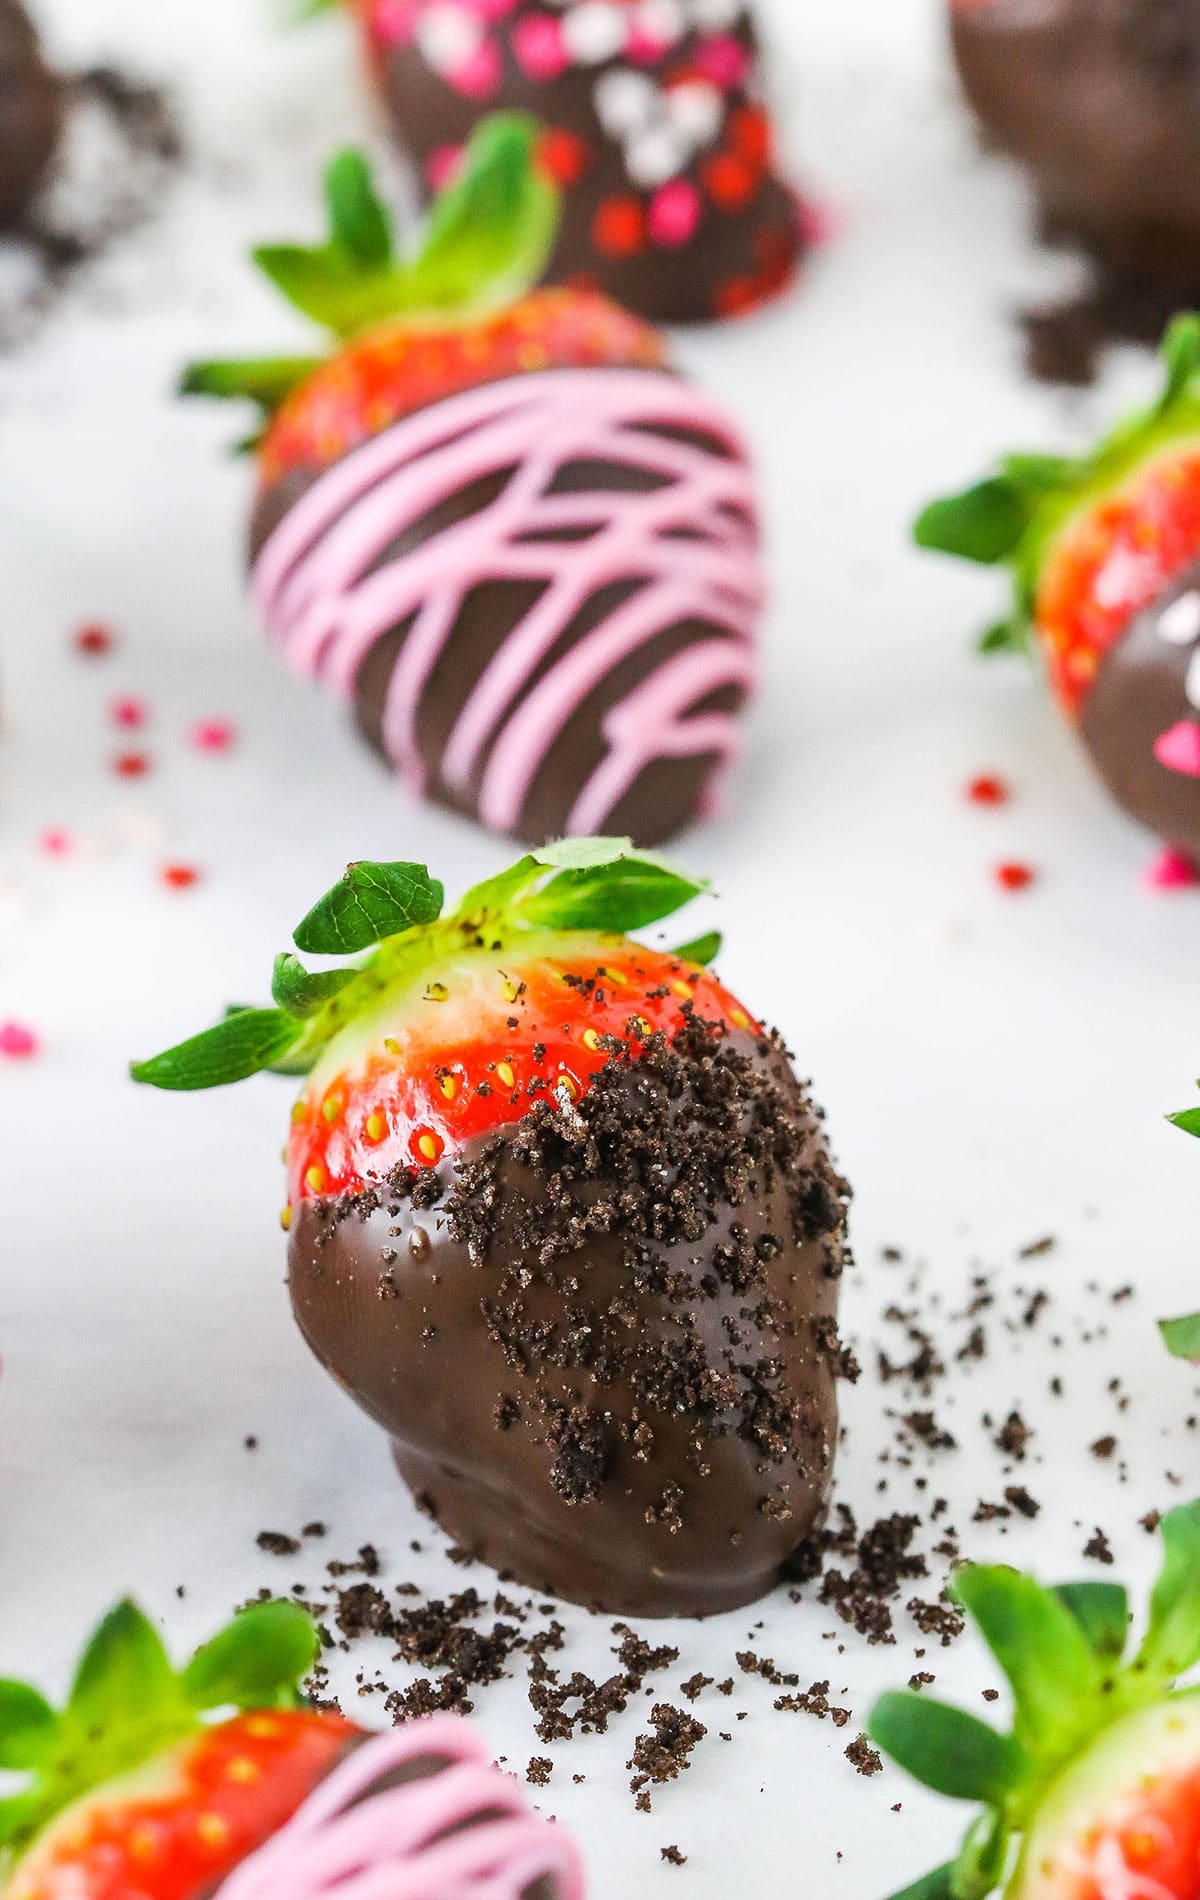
[1180, 622]
[662, 20]
[1191, 685]
[697, 111]
[448, 37]
[713, 16]
[656, 156]
[626, 102]
[594, 31]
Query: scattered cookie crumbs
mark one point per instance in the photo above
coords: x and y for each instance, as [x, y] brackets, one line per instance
[539, 1770]
[277, 1543]
[665, 1753]
[1098, 1549]
[673, 1856]
[864, 1759]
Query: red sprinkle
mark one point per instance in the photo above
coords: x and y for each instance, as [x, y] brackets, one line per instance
[17, 1040]
[988, 790]
[214, 735]
[180, 877]
[131, 764]
[129, 712]
[1015, 877]
[94, 640]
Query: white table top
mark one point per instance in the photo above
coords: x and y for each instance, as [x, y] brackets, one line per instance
[995, 1068]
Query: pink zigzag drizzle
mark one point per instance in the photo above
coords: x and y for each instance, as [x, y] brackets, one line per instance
[693, 542]
[423, 1840]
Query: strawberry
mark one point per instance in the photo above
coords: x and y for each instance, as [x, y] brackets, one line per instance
[455, 1026]
[1096, 1792]
[1104, 551]
[458, 314]
[146, 1786]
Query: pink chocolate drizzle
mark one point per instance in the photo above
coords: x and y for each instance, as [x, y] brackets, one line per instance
[422, 1840]
[328, 594]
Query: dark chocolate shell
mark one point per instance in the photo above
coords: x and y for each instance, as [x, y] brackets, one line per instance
[31, 108]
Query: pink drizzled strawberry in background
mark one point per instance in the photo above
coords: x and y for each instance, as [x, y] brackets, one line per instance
[1104, 551]
[495, 521]
[1095, 1793]
[655, 126]
[218, 1782]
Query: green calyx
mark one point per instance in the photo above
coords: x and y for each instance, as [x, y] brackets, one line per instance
[128, 1704]
[1013, 517]
[395, 912]
[1063, 1652]
[485, 243]
[1182, 1336]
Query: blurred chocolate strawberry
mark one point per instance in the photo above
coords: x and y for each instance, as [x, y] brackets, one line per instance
[31, 108]
[1104, 551]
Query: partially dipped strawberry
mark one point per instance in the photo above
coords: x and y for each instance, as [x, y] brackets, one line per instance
[153, 1783]
[562, 1219]
[145, 1786]
[494, 520]
[1095, 1794]
[1105, 556]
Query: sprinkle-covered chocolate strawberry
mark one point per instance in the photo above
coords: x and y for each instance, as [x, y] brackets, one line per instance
[148, 1786]
[1105, 555]
[655, 126]
[154, 1782]
[495, 521]
[561, 1218]
[1095, 1793]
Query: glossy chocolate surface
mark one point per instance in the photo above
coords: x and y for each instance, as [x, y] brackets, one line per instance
[30, 112]
[604, 1342]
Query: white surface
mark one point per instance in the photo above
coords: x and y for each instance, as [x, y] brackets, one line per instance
[994, 1068]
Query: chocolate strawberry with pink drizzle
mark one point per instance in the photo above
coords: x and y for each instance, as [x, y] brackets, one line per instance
[496, 523]
[219, 1782]
[1104, 551]
[655, 125]
[562, 1220]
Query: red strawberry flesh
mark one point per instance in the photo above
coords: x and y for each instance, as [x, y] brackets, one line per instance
[475, 1042]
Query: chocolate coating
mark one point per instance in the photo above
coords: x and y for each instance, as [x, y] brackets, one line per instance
[673, 784]
[624, 147]
[30, 112]
[1101, 100]
[604, 1341]
[1140, 693]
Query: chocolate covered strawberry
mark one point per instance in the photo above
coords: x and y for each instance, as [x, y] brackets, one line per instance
[494, 520]
[1095, 1794]
[655, 126]
[31, 112]
[1105, 556]
[562, 1219]
[146, 1785]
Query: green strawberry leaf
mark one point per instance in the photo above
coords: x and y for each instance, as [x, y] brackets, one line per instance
[499, 893]
[1043, 1651]
[490, 235]
[945, 1749]
[939, 1885]
[1182, 1337]
[1102, 1613]
[369, 903]
[983, 1859]
[28, 1726]
[1188, 1119]
[300, 992]
[1181, 353]
[1172, 1642]
[702, 950]
[357, 216]
[124, 1677]
[257, 1662]
[266, 380]
[238, 1047]
[1013, 635]
[986, 523]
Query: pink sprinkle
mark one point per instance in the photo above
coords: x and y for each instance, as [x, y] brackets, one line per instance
[18, 1041]
[442, 167]
[644, 47]
[1172, 871]
[723, 60]
[1179, 749]
[539, 46]
[129, 712]
[56, 843]
[393, 22]
[817, 223]
[479, 77]
[675, 213]
[214, 735]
